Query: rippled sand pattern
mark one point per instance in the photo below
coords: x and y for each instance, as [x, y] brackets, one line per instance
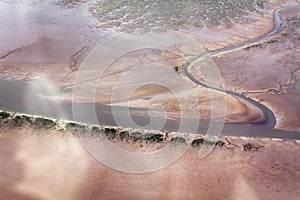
[144, 16]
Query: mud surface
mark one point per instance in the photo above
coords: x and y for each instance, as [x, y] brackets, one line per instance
[278, 88]
[48, 164]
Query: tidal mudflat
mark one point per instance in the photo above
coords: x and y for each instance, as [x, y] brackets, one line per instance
[50, 162]
[230, 63]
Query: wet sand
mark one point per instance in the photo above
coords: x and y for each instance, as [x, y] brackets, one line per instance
[49, 165]
[278, 88]
[55, 54]
[55, 65]
[124, 81]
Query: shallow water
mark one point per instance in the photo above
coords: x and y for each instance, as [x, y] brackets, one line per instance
[144, 16]
[28, 21]
[20, 97]
[129, 15]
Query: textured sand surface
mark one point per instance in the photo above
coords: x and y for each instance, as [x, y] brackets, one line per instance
[273, 81]
[49, 165]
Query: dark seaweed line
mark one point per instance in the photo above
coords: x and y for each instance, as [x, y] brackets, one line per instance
[18, 120]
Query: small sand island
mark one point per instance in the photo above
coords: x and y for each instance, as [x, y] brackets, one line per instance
[150, 99]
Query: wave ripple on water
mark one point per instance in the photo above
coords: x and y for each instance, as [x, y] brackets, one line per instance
[131, 15]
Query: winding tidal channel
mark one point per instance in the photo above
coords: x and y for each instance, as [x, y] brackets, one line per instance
[17, 96]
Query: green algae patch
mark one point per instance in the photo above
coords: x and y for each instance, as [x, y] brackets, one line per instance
[4, 115]
[137, 136]
[95, 131]
[76, 129]
[42, 123]
[178, 140]
[124, 135]
[110, 133]
[154, 137]
[20, 121]
[251, 147]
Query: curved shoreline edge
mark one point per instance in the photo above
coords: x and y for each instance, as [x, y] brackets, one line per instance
[230, 129]
[269, 119]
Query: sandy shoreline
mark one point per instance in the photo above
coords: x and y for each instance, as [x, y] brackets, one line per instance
[186, 97]
[44, 158]
[46, 164]
[57, 59]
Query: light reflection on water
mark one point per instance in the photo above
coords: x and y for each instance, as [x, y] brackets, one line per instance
[28, 21]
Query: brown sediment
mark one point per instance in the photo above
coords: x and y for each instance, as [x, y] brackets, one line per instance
[51, 165]
[213, 38]
[166, 94]
[242, 111]
[43, 51]
[272, 81]
[48, 57]
[233, 109]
